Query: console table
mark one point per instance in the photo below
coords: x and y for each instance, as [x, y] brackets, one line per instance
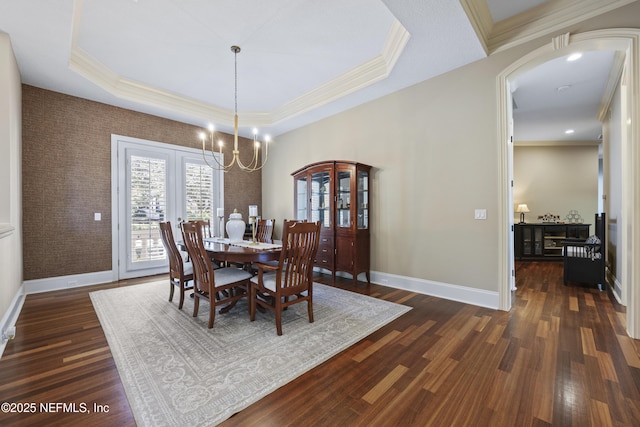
[543, 241]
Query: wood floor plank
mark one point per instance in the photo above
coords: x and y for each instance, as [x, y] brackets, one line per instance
[559, 357]
[376, 346]
[384, 385]
[629, 351]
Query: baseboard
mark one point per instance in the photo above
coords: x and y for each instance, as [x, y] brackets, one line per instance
[479, 297]
[11, 316]
[67, 282]
[458, 293]
[616, 286]
[617, 290]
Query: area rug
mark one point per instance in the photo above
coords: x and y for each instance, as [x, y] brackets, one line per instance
[176, 372]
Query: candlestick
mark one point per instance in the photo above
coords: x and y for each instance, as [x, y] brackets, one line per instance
[253, 230]
[253, 215]
[220, 215]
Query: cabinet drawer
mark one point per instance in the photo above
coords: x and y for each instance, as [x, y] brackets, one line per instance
[325, 241]
[324, 257]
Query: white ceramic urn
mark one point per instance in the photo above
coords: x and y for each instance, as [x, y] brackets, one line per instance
[235, 227]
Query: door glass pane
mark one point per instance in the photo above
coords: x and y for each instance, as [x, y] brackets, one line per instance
[148, 202]
[321, 198]
[344, 199]
[198, 192]
[363, 200]
[301, 199]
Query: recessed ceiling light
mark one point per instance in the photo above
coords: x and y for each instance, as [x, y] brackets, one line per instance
[574, 56]
[569, 131]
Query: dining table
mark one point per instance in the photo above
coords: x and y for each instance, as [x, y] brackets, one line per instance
[241, 252]
[238, 252]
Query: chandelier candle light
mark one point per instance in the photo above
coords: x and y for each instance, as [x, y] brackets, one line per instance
[253, 165]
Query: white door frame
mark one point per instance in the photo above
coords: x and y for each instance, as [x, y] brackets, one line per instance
[626, 40]
[118, 181]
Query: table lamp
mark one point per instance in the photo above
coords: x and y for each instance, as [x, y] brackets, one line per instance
[522, 208]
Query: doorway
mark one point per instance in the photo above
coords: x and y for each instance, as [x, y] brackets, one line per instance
[156, 182]
[626, 42]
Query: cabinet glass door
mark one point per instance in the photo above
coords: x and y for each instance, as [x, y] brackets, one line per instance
[321, 198]
[301, 198]
[363, 200]
[532, 242]
[527, 241]
[538, 242]
[344, 199]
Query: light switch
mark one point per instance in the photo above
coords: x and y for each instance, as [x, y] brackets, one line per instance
[97, 216]
[480, 214]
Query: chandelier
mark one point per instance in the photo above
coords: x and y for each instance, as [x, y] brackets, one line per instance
[216, 164]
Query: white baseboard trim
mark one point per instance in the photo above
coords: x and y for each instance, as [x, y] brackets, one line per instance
[11, 316]
[66, 282]
[617, 290]
[479, 297]
[458, 293]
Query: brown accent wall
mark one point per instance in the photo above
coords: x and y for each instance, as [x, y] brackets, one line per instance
[66, 177]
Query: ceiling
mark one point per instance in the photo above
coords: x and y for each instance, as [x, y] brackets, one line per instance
[300, 60]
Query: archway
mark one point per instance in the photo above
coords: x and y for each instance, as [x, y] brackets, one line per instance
[627, 42]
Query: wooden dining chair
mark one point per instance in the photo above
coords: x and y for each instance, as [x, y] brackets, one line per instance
[206, 228]
[265, 230]
[220, 286]
[291, 280]
[180, 271]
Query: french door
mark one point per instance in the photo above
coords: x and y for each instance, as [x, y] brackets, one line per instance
[156, 182]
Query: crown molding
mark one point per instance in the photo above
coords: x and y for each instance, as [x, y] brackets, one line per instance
[365, 74]
[537, 22]
[394, 45]
[99, 74]
[351, 81]
[480, 19]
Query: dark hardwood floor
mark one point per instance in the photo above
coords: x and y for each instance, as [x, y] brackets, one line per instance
[560, 357]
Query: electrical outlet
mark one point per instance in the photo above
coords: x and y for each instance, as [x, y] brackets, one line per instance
[480, 214]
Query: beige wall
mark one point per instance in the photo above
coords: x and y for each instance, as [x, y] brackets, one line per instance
[436, 156]
[556, 179]
[67, 177]
[10, 211]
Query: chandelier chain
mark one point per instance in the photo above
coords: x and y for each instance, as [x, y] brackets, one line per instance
[235, 63]
[254, 164]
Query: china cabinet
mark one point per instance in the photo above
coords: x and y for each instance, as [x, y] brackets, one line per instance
[336, 193]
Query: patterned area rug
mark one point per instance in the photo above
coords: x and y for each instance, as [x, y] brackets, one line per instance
[176, 372]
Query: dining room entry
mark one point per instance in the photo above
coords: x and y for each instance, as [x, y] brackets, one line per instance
[155, 182]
